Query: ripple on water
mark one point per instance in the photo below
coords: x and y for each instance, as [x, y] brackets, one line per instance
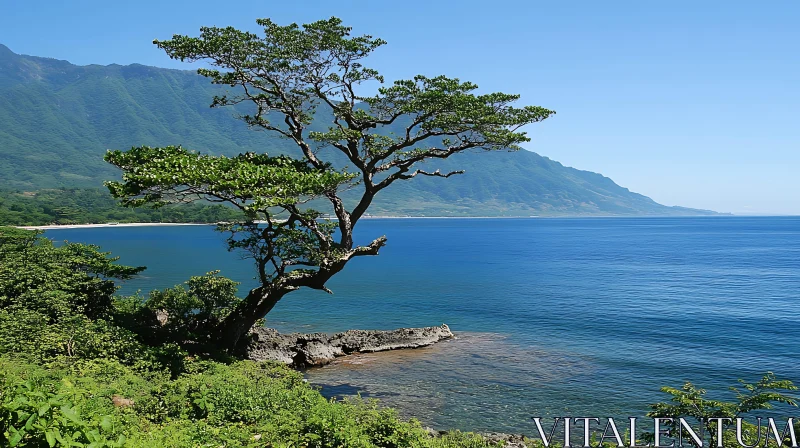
[455, 383]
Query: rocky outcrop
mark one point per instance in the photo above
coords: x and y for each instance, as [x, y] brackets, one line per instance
[506, 440]
[316, 349]
[495, 438]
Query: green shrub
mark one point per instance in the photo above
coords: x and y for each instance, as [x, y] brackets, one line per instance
[79, 367]
[211, 404]
[26, 334]
[47, 414]
[191, 312]
[57, 281]
[691, 403]
[56, 304]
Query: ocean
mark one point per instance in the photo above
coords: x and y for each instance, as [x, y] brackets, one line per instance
[553, 317]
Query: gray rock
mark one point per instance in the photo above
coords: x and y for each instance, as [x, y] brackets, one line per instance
[509, 440]
[316, 349]
[495, 438]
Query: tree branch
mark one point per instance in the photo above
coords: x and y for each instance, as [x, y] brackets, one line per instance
[436, 173]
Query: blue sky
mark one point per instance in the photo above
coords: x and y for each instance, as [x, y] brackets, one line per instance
[692, 103]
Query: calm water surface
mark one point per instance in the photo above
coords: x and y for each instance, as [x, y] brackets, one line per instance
[582, 316]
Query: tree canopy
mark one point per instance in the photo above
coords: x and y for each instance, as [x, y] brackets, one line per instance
[280, 79]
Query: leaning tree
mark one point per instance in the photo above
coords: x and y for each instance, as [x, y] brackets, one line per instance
[282, 78]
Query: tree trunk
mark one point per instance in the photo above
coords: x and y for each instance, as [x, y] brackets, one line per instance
[231, 331]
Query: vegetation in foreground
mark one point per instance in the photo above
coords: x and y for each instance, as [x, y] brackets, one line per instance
[105, 403]
[80, 367]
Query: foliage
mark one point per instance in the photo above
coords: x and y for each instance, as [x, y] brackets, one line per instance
[57, 282]
[690, 402]
[183, 314]
[211, 404]
[31, 416]
[158, 176]
[56, 303]
[28, 334]
[71, 375]
[93, 205]
[280, 79]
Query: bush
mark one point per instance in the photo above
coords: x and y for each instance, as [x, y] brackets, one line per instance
[691, 402]
[56, 304]
[190, 312]
[32, 417]
[79, 367]
[57, 282]
[211, 404]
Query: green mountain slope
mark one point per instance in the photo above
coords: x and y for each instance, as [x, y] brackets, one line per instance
[57, 120]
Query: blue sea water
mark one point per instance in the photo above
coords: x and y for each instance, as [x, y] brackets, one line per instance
[581, 317]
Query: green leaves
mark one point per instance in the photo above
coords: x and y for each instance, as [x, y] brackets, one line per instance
[57, 305]
[284, 69]
[252, 182]
[31, 415]
[448, 106]
[761, 395]
[56, 281]
[189, 312]
[691, 402]
[291, 69]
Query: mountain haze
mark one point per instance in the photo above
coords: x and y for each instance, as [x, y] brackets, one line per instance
[57, 120]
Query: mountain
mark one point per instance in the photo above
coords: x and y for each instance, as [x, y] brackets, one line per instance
[57, 120]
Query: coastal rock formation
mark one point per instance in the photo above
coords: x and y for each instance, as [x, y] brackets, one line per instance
[316, 349]
[508, 440]
[496, 438]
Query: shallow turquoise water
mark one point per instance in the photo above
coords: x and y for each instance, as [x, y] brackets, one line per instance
[582, 316]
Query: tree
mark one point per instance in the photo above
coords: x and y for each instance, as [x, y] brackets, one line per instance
[57, 300]
[690, 402]
[283, 77]
[57, 281]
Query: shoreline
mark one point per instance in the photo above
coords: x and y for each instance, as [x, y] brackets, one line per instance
[306, 350]
[165, 224]
[127, 224]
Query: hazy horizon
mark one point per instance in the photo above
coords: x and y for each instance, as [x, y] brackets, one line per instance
[691, 105]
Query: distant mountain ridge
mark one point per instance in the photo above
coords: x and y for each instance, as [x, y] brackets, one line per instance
[57, 120]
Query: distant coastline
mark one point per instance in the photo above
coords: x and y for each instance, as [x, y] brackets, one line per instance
[164, 224]
[122, 224]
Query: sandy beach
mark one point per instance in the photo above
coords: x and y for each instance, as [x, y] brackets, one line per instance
[129, 224]
[153, 224]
